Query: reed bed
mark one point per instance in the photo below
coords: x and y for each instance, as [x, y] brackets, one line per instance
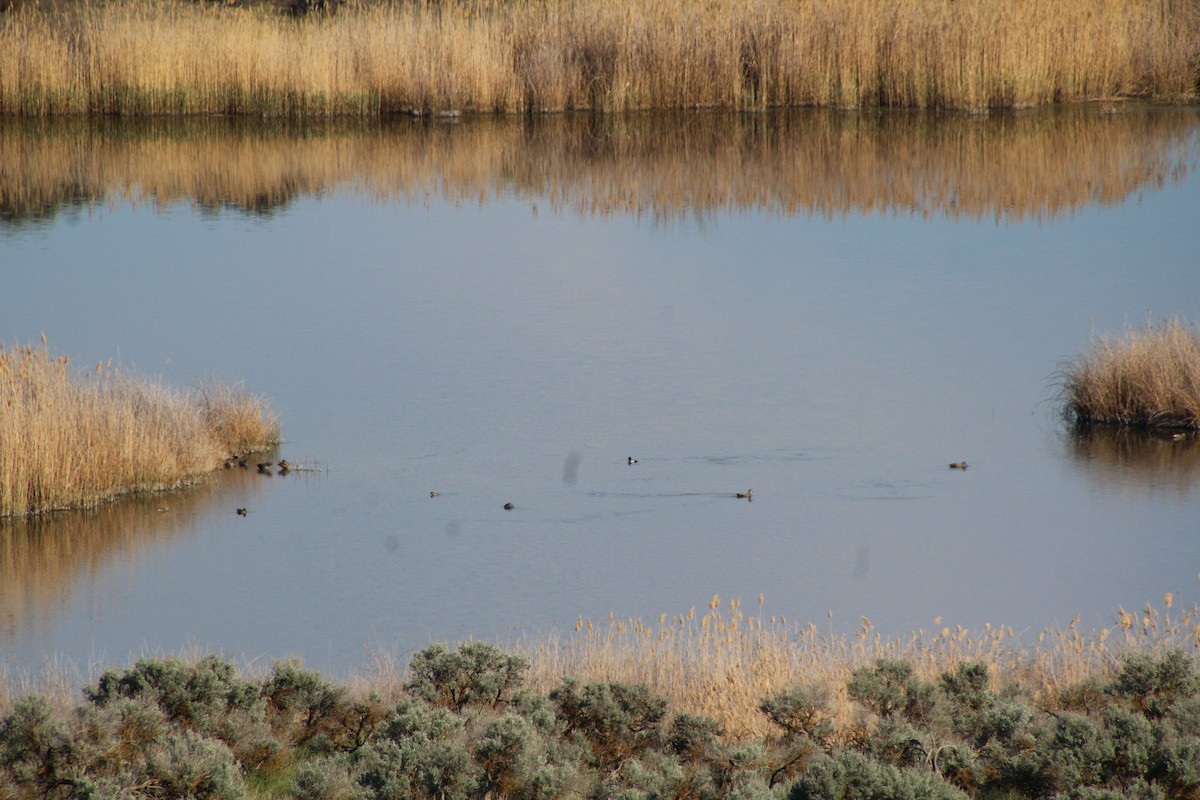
[74, 440]
[1148, 377]
[486, 56]
[663, 166]
[724, 662]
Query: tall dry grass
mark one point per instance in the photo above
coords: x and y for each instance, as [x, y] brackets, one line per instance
[73, 439]
[661, 166]
[1146, 377]
[141, 57]
[725, 661]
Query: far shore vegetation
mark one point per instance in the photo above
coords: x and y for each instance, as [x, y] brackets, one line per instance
[721, 704]
[76, 438]
[138, 57]
[1147, 378]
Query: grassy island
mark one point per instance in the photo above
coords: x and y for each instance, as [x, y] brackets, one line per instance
[944, 715]
[73, 439]
[503, 56]
[1149, 377]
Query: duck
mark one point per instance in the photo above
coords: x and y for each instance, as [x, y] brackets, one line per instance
[265, 467]
[746, 495]
[434, 494]
[241, 512]
[632, 460]
[508, 506]
[959, 465]
[285, 465]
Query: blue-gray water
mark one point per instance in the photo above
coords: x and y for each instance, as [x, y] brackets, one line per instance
[509, 346]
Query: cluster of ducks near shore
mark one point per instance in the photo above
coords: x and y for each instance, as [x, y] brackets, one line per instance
[265, 467]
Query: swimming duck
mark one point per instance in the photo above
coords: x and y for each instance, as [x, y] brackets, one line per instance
[508, 506]
[265, 467]
[241, 512]
[285, 465]
[632, 460]
[745, 495]
[959, 465]
[433, 494]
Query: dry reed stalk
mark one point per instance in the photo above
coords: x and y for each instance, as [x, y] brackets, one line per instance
[479, 55]
[77, 440]
[1147, 378]
[57, 681]
[723, 663]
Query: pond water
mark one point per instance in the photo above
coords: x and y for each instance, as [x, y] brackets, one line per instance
[826, 307]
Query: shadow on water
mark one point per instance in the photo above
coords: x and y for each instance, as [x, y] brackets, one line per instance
[665, 166]
[44, 560]
[1134, 460]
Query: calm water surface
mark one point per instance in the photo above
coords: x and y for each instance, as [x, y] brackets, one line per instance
[827, 308]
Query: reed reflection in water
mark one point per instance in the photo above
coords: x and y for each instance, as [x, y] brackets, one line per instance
[662, 166]
[44, 561]
[1125, 459]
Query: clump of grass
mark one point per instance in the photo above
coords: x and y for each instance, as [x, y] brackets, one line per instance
[610, 55]
[724, 662]
[238, 421]
[72, 439]
[1149, 377]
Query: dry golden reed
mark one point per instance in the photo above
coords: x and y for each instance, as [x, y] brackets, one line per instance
[71, 439]
[141, 57]
[662, 166]
[724, 662]
[1148, 377]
